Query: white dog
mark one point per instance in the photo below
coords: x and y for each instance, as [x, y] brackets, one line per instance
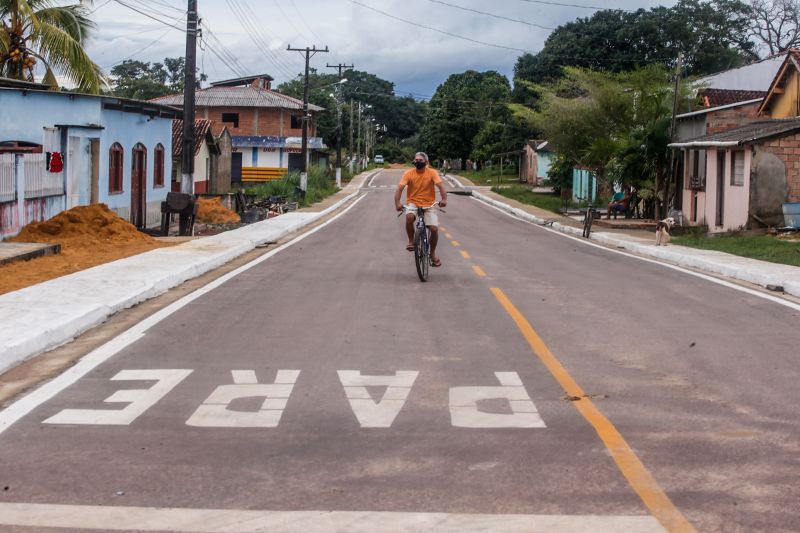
[662, 230]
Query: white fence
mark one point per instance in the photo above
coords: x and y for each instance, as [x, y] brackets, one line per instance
[38, 181]
[8, 181]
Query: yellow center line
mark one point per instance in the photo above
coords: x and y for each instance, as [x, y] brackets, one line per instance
[455, 243]
[464, 254]
[639, 478]
[479, 271]
[448, 235]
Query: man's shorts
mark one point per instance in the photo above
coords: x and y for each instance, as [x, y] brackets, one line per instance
[431, 215]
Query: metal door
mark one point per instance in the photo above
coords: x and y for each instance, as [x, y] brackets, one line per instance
[236, 167]
[720, 187]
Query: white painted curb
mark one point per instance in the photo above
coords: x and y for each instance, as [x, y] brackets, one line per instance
[43, 316]
[741, 268]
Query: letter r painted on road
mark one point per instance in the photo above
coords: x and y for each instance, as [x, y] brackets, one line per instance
[380, 414]
[464, 411]
[138, 400]
[214, 411]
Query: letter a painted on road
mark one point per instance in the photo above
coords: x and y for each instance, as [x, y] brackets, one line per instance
[380, 414]
[464, 411]
[139, 400]
[214, 411]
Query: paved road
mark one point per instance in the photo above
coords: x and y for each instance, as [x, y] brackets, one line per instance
[535, 383]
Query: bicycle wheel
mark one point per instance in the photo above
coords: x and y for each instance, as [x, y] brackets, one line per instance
[421, 255]
[587, 223]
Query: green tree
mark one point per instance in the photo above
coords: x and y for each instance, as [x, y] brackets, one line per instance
[712, 35]
[461, 107]
[36, 31]
[144, 80]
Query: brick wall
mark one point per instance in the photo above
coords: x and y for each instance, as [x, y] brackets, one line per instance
[255, 121]
[787, 149]
[732, 117]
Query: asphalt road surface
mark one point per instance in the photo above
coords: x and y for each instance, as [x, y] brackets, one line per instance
[534, 383]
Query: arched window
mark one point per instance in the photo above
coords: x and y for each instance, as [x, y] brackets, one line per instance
[115, 160]
[158, 166]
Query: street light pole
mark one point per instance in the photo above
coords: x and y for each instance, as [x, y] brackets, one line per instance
[187, 156]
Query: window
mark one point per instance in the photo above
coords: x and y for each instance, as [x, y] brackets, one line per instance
[115, 160]
[231, 118]
[297, 122]
[158, 168]
[737, 176]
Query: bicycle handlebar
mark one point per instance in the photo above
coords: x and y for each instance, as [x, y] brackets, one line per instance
[409, 208]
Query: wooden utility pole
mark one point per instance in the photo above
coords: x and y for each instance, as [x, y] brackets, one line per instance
[663, 208]
[187, 156]
[309, 53]
[341, 67]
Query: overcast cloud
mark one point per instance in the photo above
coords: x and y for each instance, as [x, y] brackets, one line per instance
[416, 59]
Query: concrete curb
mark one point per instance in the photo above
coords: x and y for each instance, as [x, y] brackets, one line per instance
[43, 316]
[740, 268]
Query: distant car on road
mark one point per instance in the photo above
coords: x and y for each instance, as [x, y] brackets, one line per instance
[379, 159]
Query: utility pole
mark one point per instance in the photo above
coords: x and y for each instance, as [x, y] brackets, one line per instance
[351, 136]
[309, 53]
[341, 67]
[358, 143]
[187, 156]
[662, 212]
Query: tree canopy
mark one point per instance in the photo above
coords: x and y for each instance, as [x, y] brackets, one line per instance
[42, 31]
[144, 80]
[712, 35]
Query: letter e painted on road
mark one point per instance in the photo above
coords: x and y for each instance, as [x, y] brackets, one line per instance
[464, 411]
[380, 414]
[138, 400]
[214, 411]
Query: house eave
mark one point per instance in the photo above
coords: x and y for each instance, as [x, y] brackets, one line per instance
[706, 144]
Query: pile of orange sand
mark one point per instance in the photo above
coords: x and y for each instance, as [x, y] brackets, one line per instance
[211, 211]
[88, 235]
[83, 226]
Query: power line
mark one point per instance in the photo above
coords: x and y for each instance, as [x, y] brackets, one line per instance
[303, 20]
[138, 51]
[455, 35]
[580, 6]
[288, 19]
[492, 15]
[120, 2]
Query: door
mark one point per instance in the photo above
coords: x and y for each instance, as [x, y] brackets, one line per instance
[139, 186]
[74, 164]
[720, 187]
[236, 167]
[295, 162]
[94, 152]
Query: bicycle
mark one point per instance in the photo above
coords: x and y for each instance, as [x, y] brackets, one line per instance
[588, 217]
[422, 245]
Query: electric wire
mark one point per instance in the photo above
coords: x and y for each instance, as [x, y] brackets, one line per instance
[305, 23]
[501, 17]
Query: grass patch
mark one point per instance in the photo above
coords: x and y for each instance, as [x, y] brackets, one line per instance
[320, 186]
[763, 247]
[489, 176]
[544, 200]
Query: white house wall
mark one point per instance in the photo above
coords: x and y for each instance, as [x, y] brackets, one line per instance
[736, 200]
[268, 159]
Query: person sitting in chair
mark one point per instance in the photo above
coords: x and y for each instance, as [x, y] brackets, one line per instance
[619, 203]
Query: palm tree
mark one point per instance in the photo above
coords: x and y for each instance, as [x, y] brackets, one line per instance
[40, 31]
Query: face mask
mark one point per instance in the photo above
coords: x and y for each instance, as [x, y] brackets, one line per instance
[419, 164]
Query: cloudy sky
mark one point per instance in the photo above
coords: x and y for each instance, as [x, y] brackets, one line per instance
[414, 43]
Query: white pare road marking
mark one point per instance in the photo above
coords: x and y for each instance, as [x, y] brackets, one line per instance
[139, 400]
[214, 411]
[380, 414]
[465, 412]
[109, 518]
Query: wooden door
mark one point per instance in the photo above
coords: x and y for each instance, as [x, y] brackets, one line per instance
[139, 186]
[720, 187]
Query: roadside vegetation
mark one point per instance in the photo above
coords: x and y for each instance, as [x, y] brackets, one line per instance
[544, 200]
[320, 186]
[490, 176]
[763, 247]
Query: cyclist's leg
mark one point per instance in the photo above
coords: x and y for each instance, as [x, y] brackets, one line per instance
[432, 220]
[410, 218]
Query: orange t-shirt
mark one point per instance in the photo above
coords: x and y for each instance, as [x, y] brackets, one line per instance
[421, 186]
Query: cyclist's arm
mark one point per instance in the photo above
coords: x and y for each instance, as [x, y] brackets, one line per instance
[442, 193]
[398, 193]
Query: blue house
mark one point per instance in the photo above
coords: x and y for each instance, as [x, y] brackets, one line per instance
[535, 162]
[59, 150]
[584, 183]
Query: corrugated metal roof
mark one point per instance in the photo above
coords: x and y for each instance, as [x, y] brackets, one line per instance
[238, 97]
[748, 133]
[753, 77]
[272, 141]
[719, 97]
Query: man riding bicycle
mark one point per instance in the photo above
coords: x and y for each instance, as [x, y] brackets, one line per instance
[422, 183]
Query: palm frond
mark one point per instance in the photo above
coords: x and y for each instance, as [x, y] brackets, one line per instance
[67, 56]
[73, 19]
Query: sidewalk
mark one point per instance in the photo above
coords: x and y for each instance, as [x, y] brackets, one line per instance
[44, 316]
[642, 243]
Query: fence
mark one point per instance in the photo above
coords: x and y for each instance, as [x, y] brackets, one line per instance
[38, 181]
[8, 180]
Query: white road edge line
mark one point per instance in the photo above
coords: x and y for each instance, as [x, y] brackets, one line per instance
[373, 178]
[88, 362]
[230, 520]
[706, 277]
